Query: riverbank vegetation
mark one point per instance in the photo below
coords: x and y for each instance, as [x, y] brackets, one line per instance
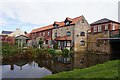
[15, 52]
[106, 70]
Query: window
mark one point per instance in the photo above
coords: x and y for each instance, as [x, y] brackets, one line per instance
[68, 43]
[82, 20]
[39, 34]
[55, 34]
[68, 33]
[55, 26]
[48, 33]
[67, 23]
[64, 43]
[82, 43]
[99, 28]
[113, 27]
[95, 28]
[82, 33]
[106, 27]
[43, 33]
[58, 43]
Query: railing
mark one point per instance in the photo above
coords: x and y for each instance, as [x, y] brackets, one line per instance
[115, 36]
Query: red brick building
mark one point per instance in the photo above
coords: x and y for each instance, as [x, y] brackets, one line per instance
[71, 32]
[104, 36]
[43, 32]
[105, 25]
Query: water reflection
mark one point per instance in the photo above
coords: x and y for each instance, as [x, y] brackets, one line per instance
[41, 67]
[24, 71]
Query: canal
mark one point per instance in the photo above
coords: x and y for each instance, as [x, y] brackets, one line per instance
[39, 68]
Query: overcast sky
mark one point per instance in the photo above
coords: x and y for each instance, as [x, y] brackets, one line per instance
[31, 14]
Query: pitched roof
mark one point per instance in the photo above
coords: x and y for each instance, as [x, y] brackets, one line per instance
[104, 20]
[61, 24]
[22, 35]
[42, 28]
[74, 20]
[28, 35]
[63, 38]
[70, 19]
[6, 32]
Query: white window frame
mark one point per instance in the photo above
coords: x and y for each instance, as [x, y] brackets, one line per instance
[106, 26]
[113, 27]
[43, 33]
[95, 28]
[99, 28]
[48, 33]
[68, 43]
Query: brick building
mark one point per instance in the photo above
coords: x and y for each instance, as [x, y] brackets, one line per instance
[101, 34]
[72, 32]
[44, 32]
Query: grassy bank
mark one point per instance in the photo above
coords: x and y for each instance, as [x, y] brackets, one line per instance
[107, 70]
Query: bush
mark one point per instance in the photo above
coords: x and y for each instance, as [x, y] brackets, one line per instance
[51, 51]
[65, 52]
[41, 43]
[9, 50]
[57, 52]
[55, 46]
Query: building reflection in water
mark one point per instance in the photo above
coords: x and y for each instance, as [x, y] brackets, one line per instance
[54, 65]
[12, 66]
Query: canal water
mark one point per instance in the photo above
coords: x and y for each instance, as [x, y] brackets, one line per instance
[28, 70]
[39, 68]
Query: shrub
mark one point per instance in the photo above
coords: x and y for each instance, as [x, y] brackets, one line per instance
[9, 50]
[51, 51]
[57, 52]
[41, 43]
[65, 52]
[55, 46]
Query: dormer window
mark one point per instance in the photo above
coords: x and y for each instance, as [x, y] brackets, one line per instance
[55, 26]
[67, 23]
